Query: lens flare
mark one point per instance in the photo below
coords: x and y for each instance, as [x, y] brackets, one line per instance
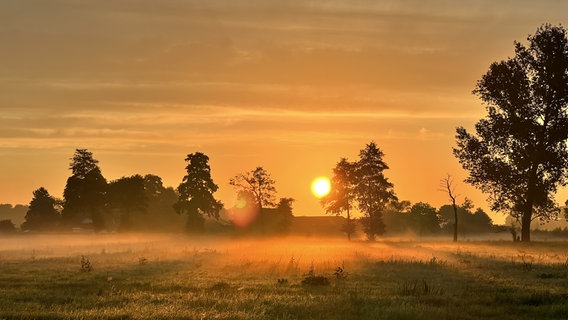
[321, 187]
[244, 212]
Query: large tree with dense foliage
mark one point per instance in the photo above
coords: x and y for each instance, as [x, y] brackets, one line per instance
[424, 219]
[160, 214]
[196, 192]
[85, 191]
[519, 155]
[42, 212]
[373, 191]
[7, 227]
[126, 196]
[342, 194]
[361, 183]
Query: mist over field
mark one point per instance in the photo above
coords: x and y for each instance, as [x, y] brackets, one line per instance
[148, 276]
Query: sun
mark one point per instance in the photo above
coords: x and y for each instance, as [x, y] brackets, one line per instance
[321, 187]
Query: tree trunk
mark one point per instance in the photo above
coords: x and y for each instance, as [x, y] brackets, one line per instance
[348, 225]
[455, 221]
[526, 226]
[528, 209]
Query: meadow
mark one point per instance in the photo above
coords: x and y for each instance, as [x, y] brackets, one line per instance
[141, 276]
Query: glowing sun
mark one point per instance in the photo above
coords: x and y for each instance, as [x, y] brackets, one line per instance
[321, 187]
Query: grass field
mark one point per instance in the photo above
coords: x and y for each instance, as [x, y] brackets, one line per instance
[165, 277]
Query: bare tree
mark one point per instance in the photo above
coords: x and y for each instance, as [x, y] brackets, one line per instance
[448, 185]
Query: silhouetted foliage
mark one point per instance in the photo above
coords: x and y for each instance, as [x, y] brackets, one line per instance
[85, 191]
[396, 217]
[160, 213]
[285, 215]
[471, 222]
[259, 184]
[373, 191]
[126, 196]
[246, 212]
[424, 219]
[82, 163]
[7, 227]
[196, 192]
[16, 213]
[342, 193]
[421, 218]
[42, 212]
[519, 154]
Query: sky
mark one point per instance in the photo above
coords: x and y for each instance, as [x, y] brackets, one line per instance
[291, 86]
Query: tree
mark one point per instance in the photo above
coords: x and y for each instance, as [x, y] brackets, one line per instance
[7, 227]
[342, 194]
[284, 211]
[82, 163]
[470, 221]
[447, 185]
[196, 193]
[160, 214]
[260, 185]
[373, 191]
[519, 155]
[127, 195]
[396, 216]
[424, 219]
[16, 214]
[42, 212]
[85, 191]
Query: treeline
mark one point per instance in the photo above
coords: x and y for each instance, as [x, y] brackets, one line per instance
[422, 219]
[143, 203]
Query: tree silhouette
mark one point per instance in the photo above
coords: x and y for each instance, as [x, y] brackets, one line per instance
[373, 191]
[196, 192]
[447, 185]
[519, 154]
[85, 191]
[7, 226]
[260, 185]
[470, 221]
[342, 194]
[284, 210]
[42, 212]
[424, 219]
[127, 195]
[160, 214]
[82, 163]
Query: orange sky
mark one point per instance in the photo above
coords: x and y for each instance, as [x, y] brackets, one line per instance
[288, 85]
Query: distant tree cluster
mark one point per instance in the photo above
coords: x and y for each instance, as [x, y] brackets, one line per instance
[422, 219]
[91, 203]
[143, 203]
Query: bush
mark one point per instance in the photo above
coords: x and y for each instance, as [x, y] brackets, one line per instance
[6, 226]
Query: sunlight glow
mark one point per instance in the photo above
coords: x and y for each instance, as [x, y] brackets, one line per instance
[321, 187]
